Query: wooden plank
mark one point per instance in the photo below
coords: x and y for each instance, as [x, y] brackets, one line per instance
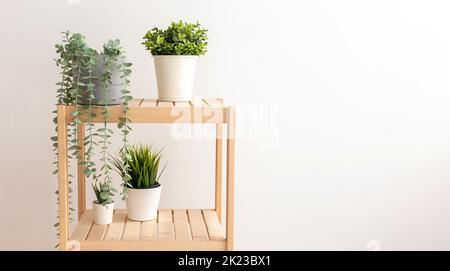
[213, 225]
[197, 112]
[115, 230]
[97, 232]
[182, 104]
[164, 216]
[230, 176]
[164, 104]
[165, 225]
[132, 230]
[148, 103]
[198, 226]
[149, 230]
[182, 230]
[210, 107]
[155, 114]
[155, 245]
[218, 102]
[218, 172]
[180, 215]
[135, 102]
[205, 103]
[181, 114]
[80, 172]
[166, 231]
[63, 194]
[181, 223]
[197, 102]
[84, 226]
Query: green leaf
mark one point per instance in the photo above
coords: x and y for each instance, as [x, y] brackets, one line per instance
[104, 195]
[87, 172]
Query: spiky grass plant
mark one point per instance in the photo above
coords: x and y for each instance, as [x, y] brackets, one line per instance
[138, 165]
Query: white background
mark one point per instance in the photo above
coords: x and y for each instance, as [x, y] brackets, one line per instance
[363, 91]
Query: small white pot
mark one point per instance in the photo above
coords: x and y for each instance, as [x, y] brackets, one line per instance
[175, 77]
[142, 204]
[103, 214]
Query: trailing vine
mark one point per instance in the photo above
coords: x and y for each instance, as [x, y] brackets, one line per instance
[77, 63]
[90, 61]
[102, 185]
[124, 120]
[61, 97]
[70, 51]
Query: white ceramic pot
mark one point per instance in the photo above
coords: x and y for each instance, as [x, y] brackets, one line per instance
[142, 204]
[103, 214]
[175, 77]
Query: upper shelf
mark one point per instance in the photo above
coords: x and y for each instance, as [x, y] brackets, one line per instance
[196, 102]
[198, 110]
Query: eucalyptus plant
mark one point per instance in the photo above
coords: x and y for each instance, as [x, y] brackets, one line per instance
[73, 53]
[180, 38]
[77, 62]
[112, 51]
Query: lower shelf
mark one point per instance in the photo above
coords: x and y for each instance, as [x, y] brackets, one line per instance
[173, 230]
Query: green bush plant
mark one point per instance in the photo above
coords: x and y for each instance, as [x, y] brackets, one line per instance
[180, 38]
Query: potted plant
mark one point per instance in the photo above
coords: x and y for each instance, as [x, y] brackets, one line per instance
[103, 206]
[175, 52]
[87, 80]
[138, 166]
[105, 64]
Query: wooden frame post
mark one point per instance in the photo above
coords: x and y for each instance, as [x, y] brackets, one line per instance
[219, 146]
[63, 183]
[230, 176]
[81, 177]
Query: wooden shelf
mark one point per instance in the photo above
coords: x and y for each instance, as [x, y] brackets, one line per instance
[177, 229]
[174, 229]
[153, 111]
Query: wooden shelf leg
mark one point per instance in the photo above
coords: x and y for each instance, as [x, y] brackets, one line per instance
[230, 176]
[63, 185]
[81, 176]
[219, 144]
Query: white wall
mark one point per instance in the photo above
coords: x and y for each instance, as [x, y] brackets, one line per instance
[362, 88]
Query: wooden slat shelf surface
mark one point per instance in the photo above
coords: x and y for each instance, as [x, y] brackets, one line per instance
[178, 229]
[199, 110]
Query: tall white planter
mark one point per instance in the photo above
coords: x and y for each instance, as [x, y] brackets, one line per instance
[142, 203]
[175, 77]
[103, 214]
